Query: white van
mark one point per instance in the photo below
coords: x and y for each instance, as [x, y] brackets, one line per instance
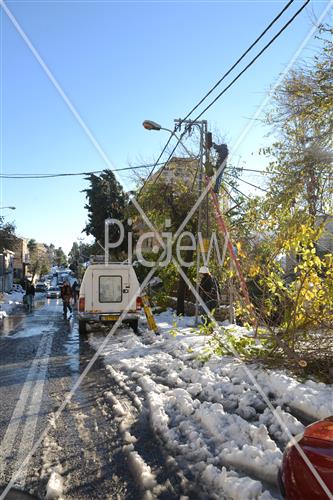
[106, 291]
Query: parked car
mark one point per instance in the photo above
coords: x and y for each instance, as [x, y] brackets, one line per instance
[106, 290]
[40, 287]
[18, 288]
[53, 292]
[295, 478]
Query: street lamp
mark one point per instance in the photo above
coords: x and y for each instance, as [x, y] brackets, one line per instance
[10, 208]
[151, 125]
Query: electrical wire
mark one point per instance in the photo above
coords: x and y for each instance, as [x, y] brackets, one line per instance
[238, 190]
[254, 59]
[229, 194]
[240, 58]
[232, 82]
[69, 174]
[250, 184]
[213, 88]
[263, 172]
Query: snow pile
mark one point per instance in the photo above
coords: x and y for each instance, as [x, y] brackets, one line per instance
[312, 398]
[229, 484]
[210, 416]
[268, 419]
[54, 487]
[9, 302]
[140, 470]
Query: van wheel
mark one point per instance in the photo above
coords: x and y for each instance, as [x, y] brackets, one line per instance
[134, 324]
[82, 327]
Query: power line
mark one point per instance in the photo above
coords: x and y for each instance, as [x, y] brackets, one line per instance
[263, 172]
[230, 196]
[240, 58]
[92, 172]
[235, 79]
[236, 189]
[250, 184]
[213, 88]
[254, 59]
[70, 174]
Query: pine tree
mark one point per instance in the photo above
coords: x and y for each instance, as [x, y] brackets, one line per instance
[105, 199]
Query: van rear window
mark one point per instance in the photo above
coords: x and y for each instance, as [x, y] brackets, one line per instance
[110, 289]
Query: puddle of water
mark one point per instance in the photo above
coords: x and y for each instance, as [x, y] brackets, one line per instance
[9, 324]
[32, 331]
[72, 347]
[26, 324]
[39, 303]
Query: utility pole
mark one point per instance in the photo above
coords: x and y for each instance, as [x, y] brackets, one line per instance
[202, 125]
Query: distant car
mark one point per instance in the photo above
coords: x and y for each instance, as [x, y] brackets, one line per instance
[40, 287]
[53, 293]
[295, 478]
[18, 288]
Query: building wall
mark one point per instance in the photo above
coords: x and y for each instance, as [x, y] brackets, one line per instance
[6, 271]
[21, 258]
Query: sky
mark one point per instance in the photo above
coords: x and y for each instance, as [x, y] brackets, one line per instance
[115, 64]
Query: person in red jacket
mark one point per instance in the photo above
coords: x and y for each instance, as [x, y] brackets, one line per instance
[66, 295]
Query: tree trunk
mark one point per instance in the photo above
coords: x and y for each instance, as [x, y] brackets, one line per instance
[181, 291]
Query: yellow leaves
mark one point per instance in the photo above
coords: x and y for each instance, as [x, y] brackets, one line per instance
[240, 251]
[254, 270]
[308, 294]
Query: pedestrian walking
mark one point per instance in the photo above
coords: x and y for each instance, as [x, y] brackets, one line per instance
[66, 295]
[75, 291]
[30, 295]
[208, 290]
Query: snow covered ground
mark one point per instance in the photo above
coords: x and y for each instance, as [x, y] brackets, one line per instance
[208, 415]
[10, 301]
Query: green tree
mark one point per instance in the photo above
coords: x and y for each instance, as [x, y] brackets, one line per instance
[105, 199]
[287, 223]
[74, 257]
[39, 257]
[7, 235]
[301, 166]
[305, 97]
[60, 257]
[78, 255]
[179, 188]
[50, 252]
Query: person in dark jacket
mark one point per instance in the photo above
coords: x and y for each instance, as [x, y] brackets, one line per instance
[75, 289]
[66, 295]
[30, 295]
[208, 289]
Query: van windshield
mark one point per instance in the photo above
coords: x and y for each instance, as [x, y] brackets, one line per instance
[110, 289]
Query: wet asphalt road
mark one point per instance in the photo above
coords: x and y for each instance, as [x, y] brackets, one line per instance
[41, 358]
